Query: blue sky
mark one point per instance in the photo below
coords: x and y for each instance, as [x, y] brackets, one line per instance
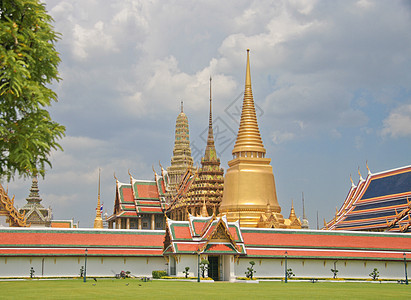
[330, 79]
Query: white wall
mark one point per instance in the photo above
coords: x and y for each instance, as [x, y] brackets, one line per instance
[70, 266]
[321, 268]
[143, 266]
[183, 261]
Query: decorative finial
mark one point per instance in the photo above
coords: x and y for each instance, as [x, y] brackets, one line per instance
[303, 206]
[211, 116]
[248, 72]
[99, 184]
[114, 174]
[361, 179]
[366, 163]
[352, 182]
[182, 110]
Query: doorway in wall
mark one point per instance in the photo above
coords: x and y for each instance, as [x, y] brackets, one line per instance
[213, 271]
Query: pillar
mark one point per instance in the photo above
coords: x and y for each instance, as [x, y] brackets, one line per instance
[128, 223]
[153, 223]
[139, 222]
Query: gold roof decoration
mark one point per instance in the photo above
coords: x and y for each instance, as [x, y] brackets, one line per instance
[13, 216]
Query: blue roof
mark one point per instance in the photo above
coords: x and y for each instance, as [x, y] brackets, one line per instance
[394, 184]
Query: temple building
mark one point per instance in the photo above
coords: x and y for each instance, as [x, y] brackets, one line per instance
[247, 193]
[200, 194]
[36, 215]
[9, 215]
[181, 161]
[249, 187]
[139, 204]
[381, 202]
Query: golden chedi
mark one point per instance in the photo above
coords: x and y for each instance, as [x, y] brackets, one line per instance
[249, 188]
[98, 221]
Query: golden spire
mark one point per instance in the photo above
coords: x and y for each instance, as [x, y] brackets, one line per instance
[181, 159]
[292, 216]
[248, 138]
[204, 212]
[249, 186]
[210, 152]
[210, 122]
[98, 221]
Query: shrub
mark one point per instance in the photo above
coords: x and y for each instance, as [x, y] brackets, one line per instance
[374, 274]
[250, 271]
[290, 273]
[186, 271]
[204, 266]
[159, 274]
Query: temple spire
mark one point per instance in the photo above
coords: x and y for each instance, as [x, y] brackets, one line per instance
[210, 153]
[248, 138]
[181, 161]
[182, 106]
[304, 223]
[98, 221]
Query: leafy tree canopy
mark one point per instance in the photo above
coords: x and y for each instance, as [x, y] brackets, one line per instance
[28, 65]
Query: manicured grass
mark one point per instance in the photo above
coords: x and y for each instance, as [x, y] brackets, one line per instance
[135, 289]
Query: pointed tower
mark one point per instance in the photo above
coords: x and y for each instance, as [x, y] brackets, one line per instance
[205, 192]
[207, 189]
[304, 223]
[98, 221]
[181, 160]
[249, 187]
[36, 214]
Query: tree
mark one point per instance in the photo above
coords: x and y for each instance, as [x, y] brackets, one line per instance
[374, 274]
[290, 273]
[28, 65]
[250, 270]
[204, 266]
[335, 271]
[187, 272]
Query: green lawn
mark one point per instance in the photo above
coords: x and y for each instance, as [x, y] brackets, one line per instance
[135, 289]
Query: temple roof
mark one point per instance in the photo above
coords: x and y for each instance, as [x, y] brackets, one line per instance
[254, 243]
[139, 196]
[379, 202]
[73, 242]
[208, 235]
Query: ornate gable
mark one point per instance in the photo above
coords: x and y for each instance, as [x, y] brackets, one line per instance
[14, 217]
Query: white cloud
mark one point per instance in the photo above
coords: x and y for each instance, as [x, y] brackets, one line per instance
[282, 137]
[95, 39]
[398, 123]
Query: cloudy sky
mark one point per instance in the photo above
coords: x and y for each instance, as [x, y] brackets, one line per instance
[331, 81]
